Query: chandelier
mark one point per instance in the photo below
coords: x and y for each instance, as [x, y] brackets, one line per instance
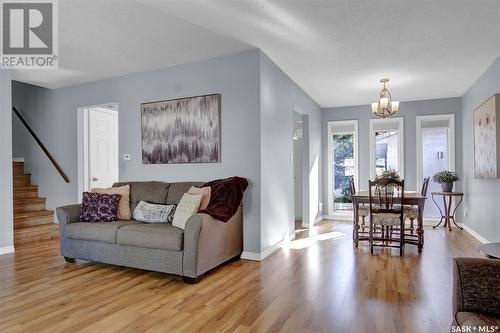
[385, 107]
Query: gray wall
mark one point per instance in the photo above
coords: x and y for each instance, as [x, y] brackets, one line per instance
[482, 195]
[279, 97]
[6, 222]
[409, 111]
[53, 115]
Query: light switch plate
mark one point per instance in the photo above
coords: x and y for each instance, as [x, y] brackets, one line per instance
[127, 157]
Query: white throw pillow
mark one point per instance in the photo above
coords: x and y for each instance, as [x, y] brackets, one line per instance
[187, 207]
[152, 213]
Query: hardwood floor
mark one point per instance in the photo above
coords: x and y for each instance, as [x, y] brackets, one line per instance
[318, 283]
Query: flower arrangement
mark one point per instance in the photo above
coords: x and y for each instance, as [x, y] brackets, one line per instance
[391, 173]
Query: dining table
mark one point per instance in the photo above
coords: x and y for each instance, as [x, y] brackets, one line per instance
[410, 198]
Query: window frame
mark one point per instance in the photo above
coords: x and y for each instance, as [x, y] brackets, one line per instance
[331, 124]
[450, 117]
[401, 148]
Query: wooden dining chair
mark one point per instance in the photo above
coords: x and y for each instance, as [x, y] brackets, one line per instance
[363, 210]
[386, 211]
[411, 212]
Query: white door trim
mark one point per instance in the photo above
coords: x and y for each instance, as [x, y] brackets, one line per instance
[304, 166]
[401, 135]
[82, 142]
[451, 142]
[330, 130]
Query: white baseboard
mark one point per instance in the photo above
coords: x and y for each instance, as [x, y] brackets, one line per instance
[349, 217]
[431, 221]
[318, 219]
[474, 234]
[264, 254]
[337, 217]
[247, 255]
[7, 249]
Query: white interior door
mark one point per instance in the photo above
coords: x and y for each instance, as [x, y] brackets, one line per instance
[297, 171]
[102, 147]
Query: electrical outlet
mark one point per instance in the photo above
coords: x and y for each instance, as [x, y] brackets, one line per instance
[127, 157]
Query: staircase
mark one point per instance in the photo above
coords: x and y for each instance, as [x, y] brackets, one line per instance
[32, 221]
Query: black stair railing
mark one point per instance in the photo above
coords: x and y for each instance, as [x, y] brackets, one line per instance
[49, 156]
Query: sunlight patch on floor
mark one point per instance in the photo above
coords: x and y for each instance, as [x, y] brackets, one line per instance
[298, 244]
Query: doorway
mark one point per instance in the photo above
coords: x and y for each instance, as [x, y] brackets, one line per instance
[98, 146]
[435, 152]
[297, 167]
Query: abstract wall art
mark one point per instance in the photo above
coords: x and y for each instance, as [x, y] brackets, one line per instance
[487, 139]
[185, 130]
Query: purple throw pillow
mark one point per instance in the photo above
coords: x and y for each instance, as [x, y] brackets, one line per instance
[98, 207]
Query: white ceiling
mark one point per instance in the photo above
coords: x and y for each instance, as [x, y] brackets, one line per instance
[100, 39]
[335, 50]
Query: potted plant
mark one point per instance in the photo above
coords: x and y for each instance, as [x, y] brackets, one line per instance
[446, 178]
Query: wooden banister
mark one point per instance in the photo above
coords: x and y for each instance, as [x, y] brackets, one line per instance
[49, 156]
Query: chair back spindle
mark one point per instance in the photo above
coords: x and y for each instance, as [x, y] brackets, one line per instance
[352, 187]
[425, 186]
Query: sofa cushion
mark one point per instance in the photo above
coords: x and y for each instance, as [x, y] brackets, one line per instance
[95, 231]
[154, 236]
[205, 195]
[177, 190]
[99, 207]
[476, 319]
[124, 204]
[152, 213]
[187, 207]
[153, 192]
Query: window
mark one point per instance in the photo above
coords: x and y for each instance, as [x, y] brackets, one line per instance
[342, 164]
[386, 146]
[387, 151]
[343, 168]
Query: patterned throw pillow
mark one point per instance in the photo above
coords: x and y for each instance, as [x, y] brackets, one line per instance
[170, 217]
[99, 207]
[187, 207]
[124, 204]
[152, 213]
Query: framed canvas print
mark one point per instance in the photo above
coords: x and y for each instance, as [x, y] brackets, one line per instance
[184, 130]
[487, 139]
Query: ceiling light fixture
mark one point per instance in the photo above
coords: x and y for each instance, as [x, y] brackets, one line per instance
[385, 107]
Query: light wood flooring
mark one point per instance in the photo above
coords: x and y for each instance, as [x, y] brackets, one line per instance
[318, 283]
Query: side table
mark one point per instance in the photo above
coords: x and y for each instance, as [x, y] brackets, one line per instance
[448, 215]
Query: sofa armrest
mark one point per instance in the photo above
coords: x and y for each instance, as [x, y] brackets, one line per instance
[209, 242]
[476, 285]
[67, 214]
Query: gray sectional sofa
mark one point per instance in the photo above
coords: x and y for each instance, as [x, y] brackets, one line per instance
[204, 244]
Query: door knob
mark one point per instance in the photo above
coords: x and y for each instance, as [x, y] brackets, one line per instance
[94, 179]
